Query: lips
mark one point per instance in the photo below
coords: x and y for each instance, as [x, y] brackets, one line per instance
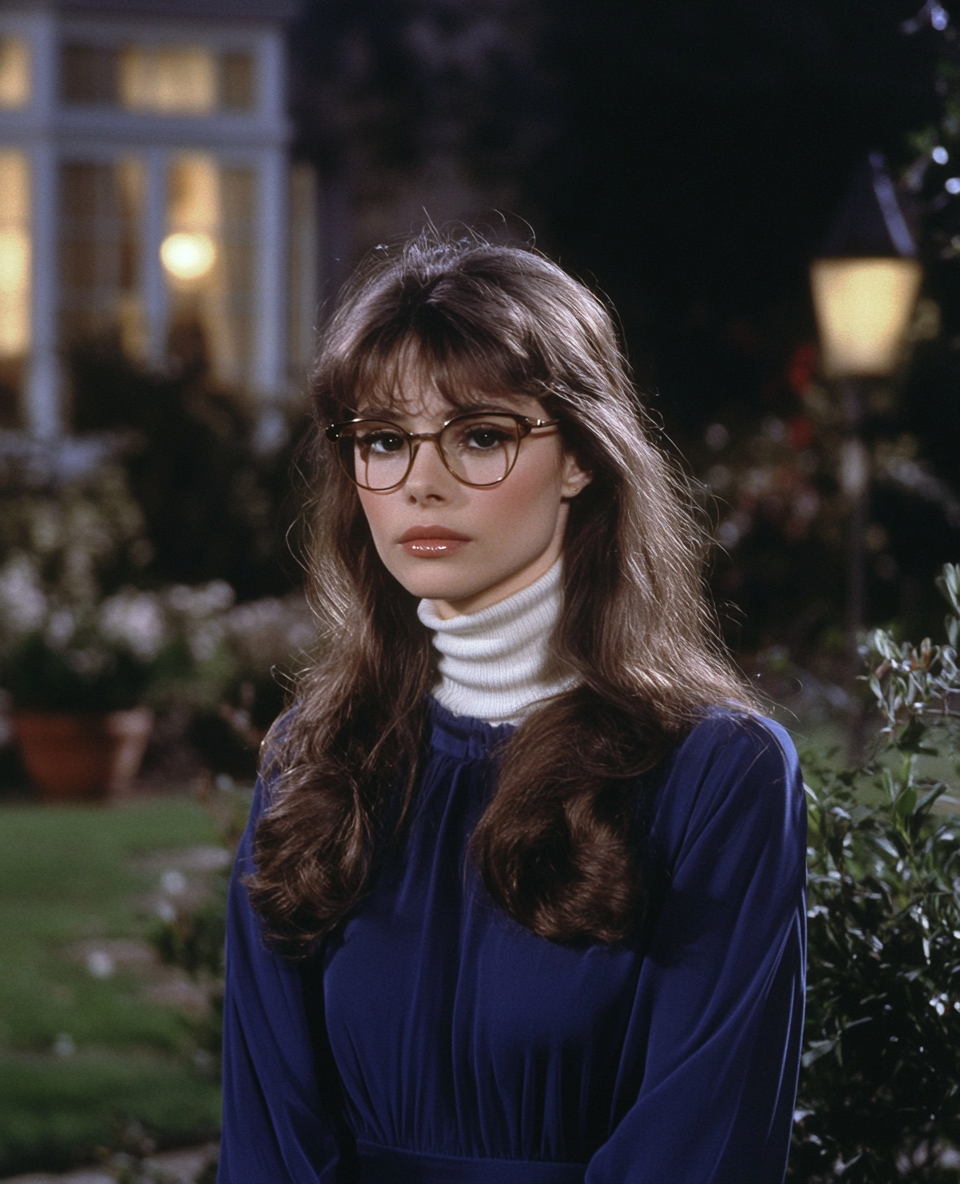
[432, 542]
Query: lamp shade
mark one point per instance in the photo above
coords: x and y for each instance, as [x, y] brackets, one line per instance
[866, 278]
[863, 307]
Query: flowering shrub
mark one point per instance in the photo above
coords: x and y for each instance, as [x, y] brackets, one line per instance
[78, 631]
[81, 653]
[881, 1084]
[781, 488]
[261, 641]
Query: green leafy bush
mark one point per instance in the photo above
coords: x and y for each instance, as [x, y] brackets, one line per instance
[880, 1090]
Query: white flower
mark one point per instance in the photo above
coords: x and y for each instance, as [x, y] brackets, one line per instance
[204, 640]
[60, 628]
[173, 883]
[136, 620]
[23, 605]
[202, 601]
[64, 1045]
[100, 964]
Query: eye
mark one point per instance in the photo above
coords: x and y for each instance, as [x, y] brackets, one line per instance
[382, 441]
[484, 436]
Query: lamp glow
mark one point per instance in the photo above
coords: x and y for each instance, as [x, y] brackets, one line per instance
[188, 256]
[863, 307]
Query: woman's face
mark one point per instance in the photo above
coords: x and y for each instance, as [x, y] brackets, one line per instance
[463, 547]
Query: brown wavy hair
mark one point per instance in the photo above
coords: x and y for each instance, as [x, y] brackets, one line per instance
[557, 844]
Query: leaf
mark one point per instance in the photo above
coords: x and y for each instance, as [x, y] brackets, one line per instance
[817, 1049]
[911, 736]
[905, 804]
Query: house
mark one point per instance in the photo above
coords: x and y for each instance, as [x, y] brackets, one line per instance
[146, 186]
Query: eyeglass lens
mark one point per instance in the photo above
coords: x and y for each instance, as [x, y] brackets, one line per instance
[477, 449]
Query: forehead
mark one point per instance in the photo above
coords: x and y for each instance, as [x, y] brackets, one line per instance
[415, 396]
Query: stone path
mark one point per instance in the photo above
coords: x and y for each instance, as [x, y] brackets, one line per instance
[167, 1167]
[182, 877]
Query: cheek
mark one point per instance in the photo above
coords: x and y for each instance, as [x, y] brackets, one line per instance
[379, 513]
[532, 501]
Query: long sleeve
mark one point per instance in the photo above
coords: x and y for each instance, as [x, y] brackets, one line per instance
[274, 1128]
[718, 1017]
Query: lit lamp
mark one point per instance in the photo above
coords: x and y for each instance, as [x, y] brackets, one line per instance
[188, 256]
[863, 307]
[865, 284]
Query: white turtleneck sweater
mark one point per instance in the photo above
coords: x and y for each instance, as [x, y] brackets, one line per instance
[495, 664]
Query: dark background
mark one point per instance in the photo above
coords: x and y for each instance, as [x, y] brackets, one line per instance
[685, 158]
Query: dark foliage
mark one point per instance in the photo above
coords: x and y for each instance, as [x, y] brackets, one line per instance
[214, 506]
[880, 1088]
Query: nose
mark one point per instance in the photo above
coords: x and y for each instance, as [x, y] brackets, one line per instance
[428, 479]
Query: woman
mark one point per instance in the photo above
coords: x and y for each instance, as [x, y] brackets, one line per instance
[521, 897]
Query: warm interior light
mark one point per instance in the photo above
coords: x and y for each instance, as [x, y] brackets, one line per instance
[174, 80]
[14, 254]
[14, 72]
[188, 256]
[863, 307]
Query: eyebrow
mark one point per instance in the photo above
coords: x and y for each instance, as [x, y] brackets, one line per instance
[395, 414]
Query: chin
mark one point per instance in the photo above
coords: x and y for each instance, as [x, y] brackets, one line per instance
[439, 586]
[431, 590]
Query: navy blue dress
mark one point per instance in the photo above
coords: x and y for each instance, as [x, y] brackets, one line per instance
[435, 1041]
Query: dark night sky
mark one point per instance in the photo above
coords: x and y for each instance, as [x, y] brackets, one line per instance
[705, 149]
[683, 155]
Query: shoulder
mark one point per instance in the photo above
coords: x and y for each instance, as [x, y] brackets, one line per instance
[732, 742]
[264, 791]
[735, 776]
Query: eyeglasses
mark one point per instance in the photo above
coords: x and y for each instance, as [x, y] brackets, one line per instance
[479, 448]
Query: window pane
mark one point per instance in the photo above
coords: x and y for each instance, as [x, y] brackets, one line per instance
[88, 74]
[302, 296]
[237, 328]
[164, 79]
[14, 72]
[173, 80]
[208, 256]
[99, 252]
[14, 254]
[237, 83]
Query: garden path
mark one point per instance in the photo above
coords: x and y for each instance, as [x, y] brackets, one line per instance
[167, 1167]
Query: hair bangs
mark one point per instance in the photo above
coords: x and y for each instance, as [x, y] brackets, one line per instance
[446, 342]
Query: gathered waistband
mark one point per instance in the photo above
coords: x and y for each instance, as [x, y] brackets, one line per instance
[389, 1165]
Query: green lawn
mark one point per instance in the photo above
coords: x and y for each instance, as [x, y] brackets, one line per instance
[81, 1056]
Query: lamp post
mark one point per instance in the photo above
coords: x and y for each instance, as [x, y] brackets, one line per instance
[865, 283]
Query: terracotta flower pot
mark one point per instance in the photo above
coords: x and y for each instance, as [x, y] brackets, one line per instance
[85, 756]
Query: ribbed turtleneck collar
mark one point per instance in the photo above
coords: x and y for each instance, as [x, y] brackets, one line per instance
[495, 664]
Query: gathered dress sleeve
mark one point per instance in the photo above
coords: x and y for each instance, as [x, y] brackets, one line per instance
[274, 1123]
[717, 1020]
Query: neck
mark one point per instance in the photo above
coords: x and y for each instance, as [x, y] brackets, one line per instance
[497, 663]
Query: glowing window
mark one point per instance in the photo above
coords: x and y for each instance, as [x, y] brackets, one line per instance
[14, 72]
[173, 80]
[160, 79]
[14, 254]
[208, 256]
